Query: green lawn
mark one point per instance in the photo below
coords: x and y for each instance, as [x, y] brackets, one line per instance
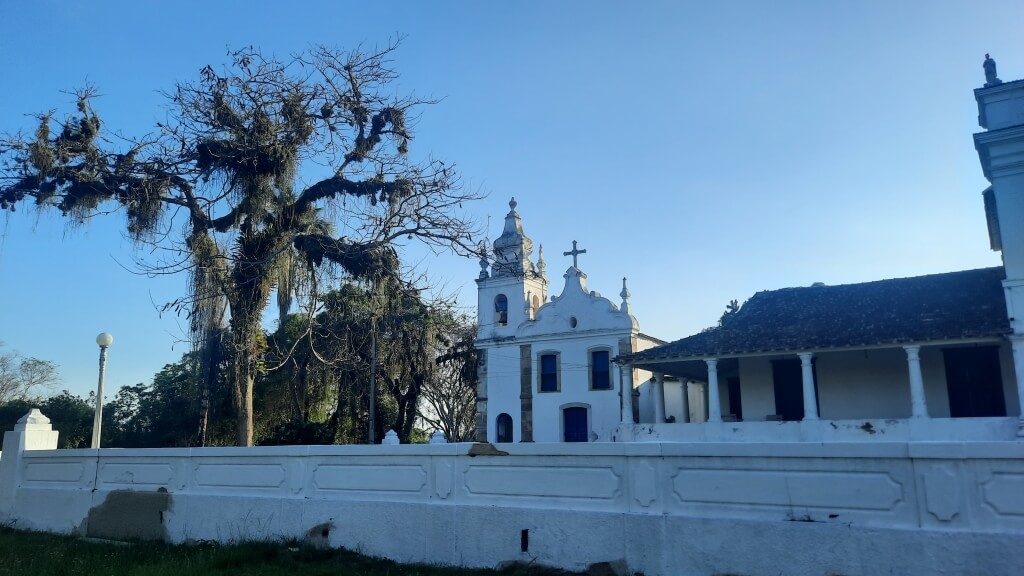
[33, 553]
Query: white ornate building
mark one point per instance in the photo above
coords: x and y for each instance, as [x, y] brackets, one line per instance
[546, 371]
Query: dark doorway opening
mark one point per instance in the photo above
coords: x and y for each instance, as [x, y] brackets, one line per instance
[789, 396]
[974, 382]
[735, 402]
[788, 377]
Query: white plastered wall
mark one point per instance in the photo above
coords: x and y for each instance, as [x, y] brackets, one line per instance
[574, 388]
[503, 390]
[864, 384]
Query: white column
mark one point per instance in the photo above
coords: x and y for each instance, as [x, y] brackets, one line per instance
[714, 404]
[810, 398]
[659, 398]
[918, 407]
[684, 386]
[627, 393]
[1017, 344]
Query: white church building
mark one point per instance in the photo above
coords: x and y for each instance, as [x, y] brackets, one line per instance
[545, 364]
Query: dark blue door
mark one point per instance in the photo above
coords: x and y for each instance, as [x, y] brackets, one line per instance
[574, 424]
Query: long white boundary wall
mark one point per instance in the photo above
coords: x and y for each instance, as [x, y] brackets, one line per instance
[659, 508]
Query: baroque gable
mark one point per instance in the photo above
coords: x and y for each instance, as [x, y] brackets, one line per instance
[577, 310]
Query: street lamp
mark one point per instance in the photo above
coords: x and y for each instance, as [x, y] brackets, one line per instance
[104, 340]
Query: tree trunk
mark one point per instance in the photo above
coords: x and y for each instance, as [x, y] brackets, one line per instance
[208, 368]
[204, 413]
[246, 351]
[244, 379]
[251, 298]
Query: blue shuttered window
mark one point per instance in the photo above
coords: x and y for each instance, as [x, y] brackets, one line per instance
[548, 373]
[600, 370]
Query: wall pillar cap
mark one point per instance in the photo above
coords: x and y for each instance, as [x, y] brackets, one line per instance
[34, 420]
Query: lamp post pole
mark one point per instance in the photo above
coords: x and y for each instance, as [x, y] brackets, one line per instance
[104, 340]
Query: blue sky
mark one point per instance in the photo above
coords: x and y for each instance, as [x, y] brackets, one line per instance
[705, 150]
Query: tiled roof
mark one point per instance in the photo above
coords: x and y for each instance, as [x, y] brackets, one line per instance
[952, 306]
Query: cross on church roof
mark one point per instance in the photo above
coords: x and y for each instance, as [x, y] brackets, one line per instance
[574, 253]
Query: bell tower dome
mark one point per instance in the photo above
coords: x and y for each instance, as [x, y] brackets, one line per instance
[513, 250]
[515, 287]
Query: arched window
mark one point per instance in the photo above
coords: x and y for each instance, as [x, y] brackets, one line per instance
[504, 428]
[501, 309]
[535, 305]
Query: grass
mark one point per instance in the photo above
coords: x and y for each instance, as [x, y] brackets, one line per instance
[35, 553]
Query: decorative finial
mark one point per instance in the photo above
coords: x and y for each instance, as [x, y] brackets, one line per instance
[542, 266]
[483, 261]
[625, 309]
[990, 72]
[512, 203]
[574, 253]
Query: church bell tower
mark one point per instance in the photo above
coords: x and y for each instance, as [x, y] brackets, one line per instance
[508, 295]
[515, 286]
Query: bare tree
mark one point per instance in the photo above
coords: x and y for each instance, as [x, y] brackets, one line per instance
[22, 378]
[448, 399]
[218, 188]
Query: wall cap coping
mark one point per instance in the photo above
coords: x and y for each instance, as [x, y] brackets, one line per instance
[914, 449]
[34, 420]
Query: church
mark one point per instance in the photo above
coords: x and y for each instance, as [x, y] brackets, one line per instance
[936, 357]
[545, 364]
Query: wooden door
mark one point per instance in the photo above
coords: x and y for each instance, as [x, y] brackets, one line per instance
[574, 424]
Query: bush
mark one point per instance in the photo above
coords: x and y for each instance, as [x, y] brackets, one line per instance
[295, 433]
